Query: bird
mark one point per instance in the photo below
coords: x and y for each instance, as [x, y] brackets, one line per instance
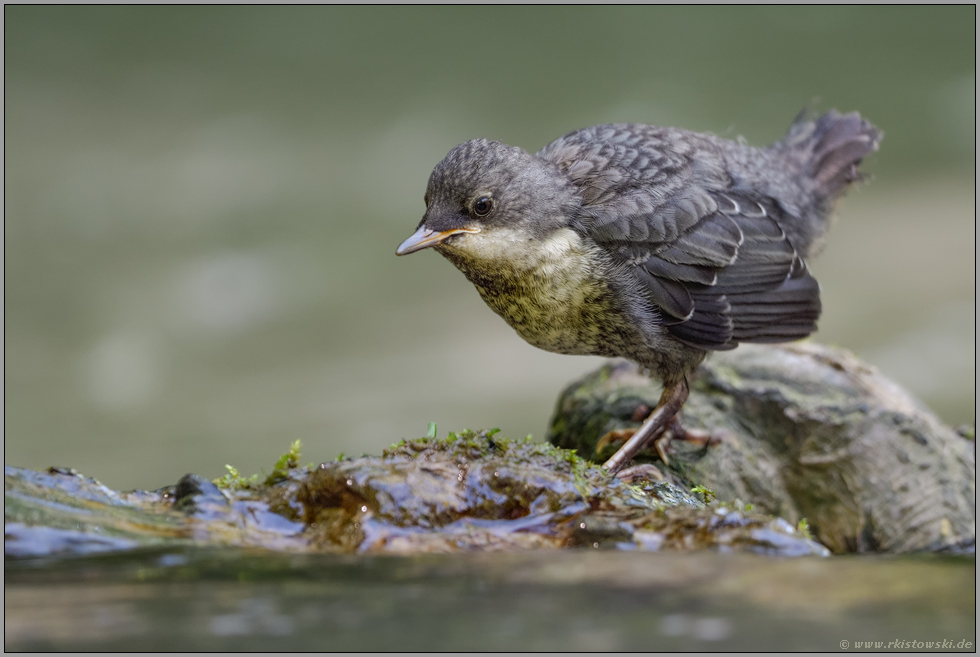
[654, 244]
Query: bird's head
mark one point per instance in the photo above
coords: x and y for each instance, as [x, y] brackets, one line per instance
[485, 198]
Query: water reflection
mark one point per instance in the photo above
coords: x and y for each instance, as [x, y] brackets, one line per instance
[705, 629]
[574, 600]
[255, 616]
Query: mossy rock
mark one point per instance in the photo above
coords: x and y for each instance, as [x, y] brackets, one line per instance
[806, 431]
[470, 492]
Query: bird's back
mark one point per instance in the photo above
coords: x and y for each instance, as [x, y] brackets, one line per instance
[630, 169]
[714, 233]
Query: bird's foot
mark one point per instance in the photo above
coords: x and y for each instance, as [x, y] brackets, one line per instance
[652, 428]
[675, 431]
[657, 431]
[698, 437]
[614, 437]
[641, 472]
[622, 436]
[661, 443]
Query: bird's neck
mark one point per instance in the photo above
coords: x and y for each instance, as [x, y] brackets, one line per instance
[500, 259]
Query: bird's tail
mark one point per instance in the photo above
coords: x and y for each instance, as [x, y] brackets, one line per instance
[829, 148]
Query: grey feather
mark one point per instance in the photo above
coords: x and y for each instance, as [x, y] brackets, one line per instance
[675, 243]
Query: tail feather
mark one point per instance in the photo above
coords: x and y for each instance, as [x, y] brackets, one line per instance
[846, 140]
[833, 146]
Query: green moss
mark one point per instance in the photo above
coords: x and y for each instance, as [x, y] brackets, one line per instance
[286, 462]
[472, 445]
[804, 528]
[280, 471]
[235, 481]
[706, 493]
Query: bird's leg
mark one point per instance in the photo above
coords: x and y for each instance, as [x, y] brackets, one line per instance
[653, 427]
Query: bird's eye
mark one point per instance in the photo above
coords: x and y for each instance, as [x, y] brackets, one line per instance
[482, 206]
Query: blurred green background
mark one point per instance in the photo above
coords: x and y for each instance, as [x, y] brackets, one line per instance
[202, 206]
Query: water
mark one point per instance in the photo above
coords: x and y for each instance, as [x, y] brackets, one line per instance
[572, 600]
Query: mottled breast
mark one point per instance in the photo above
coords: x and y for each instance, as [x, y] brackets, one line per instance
[550, 290]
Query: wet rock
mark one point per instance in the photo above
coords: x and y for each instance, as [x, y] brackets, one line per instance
[20, 540]
[806, 432]
[198, 495]
[471, 492]
[59, 511]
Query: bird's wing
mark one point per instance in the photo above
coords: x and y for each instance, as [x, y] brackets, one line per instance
[716, 263]
[720, 268]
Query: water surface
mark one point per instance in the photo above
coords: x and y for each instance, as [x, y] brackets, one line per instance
[569, 601]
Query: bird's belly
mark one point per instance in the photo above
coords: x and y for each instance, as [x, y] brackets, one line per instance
[544, 322]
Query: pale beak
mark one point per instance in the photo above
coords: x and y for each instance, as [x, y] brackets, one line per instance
[424, 238]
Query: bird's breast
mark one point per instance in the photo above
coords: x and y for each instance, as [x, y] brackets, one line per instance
[554, 291]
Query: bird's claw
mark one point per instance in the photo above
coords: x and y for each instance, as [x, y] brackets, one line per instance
[620, 436]
[616, 436]
[661, 443]
[699, 437]
[641, 472]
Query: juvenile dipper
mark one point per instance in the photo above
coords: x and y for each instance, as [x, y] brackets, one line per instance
[648, 243]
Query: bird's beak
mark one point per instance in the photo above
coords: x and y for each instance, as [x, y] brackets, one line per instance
[425, 237]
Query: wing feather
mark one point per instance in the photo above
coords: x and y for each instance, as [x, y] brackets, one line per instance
[715, 260]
